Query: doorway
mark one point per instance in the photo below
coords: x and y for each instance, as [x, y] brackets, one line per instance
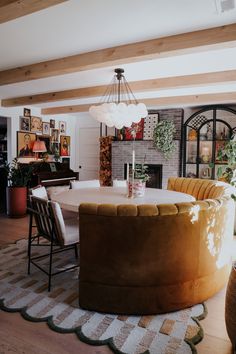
[89, 153]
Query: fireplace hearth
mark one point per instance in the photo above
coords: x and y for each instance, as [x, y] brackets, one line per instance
[155, 175]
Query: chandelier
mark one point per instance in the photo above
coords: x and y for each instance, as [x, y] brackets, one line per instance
[118, 107]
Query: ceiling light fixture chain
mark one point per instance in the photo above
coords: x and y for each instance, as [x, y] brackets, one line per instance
[119, 108]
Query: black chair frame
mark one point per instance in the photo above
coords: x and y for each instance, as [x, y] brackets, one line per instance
[45, 221]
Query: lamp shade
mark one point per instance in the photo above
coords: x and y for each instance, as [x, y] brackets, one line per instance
[39, 146]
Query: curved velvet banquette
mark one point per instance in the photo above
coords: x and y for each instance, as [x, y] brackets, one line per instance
[151, 259]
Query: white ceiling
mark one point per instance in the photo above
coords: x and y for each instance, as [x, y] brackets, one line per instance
[78, 26]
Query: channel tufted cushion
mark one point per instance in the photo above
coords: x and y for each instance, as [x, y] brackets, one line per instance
[199, 188]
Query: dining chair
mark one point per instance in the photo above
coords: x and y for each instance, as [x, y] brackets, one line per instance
[62, 235]
[119, 183]
[85, 184]
[42, 192]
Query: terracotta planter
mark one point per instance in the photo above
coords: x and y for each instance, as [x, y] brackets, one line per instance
[16, 201]
[230, 307]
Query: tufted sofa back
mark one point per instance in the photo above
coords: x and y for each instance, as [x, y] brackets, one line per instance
[145, 259]
[199, 188]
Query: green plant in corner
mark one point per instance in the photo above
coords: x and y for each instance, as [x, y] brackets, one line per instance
[228, 153]
[163, 137]
[17, 176]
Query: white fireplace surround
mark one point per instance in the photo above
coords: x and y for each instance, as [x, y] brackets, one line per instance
[145, 152]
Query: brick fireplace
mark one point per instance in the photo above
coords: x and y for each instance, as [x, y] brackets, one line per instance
[146, 153]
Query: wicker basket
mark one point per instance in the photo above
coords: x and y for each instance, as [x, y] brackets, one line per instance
[230, 307]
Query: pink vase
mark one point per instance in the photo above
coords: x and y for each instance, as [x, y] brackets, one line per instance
[136, 189]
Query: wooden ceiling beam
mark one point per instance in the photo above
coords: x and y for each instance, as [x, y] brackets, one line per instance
[176, 101]
[211, 38]
[219, 77]
[11, 9]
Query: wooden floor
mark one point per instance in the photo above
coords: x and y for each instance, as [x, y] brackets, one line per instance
[20, 336]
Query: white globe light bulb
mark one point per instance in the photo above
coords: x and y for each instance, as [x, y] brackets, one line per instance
[142, 109]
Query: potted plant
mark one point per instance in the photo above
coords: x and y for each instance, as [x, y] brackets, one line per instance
[163, 137]
[228, 153]
[140, 178]
[18, 177]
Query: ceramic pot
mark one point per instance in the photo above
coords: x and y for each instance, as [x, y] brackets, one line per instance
[230, 307]
[16, 201]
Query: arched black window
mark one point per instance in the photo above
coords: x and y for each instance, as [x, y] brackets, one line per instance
[204, 133]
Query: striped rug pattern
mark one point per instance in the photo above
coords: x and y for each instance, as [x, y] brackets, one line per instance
[171, 333]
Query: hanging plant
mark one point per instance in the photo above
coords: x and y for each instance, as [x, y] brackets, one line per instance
[163, 137]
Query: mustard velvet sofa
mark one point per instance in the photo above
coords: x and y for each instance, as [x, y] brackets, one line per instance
[150, 259]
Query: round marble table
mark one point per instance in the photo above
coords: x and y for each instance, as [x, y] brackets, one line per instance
[70, 200]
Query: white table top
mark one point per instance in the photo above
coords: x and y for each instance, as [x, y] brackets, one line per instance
[70, 200]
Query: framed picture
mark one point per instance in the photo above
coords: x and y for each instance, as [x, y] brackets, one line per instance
[52, 123]
[46, 128]
[36, 124]
[25, 142]
[135, 132]
[65, 145]
[62, 127]
[27, 112]
[55, 148]
[54, 135]
[53, 167]
[219, 157]
[150, 123]
[25, 124]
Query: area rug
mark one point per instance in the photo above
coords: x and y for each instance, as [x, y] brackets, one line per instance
[170, 333]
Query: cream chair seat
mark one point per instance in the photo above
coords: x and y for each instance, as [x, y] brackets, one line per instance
[54, 190]
[85, 184]
[39, 192]
[119, 183]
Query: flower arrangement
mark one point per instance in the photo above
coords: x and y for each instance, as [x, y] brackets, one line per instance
[163, 136]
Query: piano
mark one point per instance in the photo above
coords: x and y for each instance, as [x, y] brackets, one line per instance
[51, 174]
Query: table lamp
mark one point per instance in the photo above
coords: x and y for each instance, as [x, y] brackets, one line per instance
[39, 146]
[205, 154]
